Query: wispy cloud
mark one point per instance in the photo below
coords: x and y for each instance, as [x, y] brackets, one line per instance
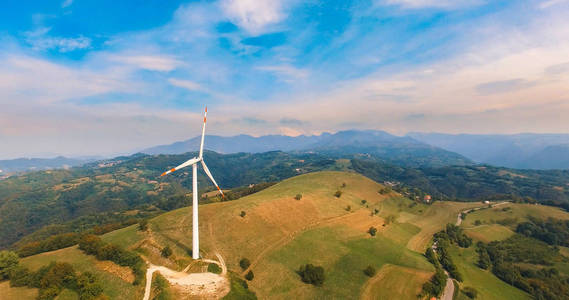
[148, 62]
[40, 40]
[549, 3]
[252, 15]
[186, 84]
[286, 73]
[66, 3]
[434, 3]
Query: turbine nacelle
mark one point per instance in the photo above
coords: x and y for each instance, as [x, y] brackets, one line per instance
[198, 159]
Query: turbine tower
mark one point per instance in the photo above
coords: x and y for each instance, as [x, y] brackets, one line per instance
[194, 163]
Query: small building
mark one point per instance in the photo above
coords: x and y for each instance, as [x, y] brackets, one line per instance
[427, 198]
[486, 202]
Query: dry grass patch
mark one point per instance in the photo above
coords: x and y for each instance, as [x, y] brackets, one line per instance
[395, 282]
[124, 273]
[17, 293]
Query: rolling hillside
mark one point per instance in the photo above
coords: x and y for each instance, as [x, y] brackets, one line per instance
[278, 234]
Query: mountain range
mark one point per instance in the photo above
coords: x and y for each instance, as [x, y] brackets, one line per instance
[520, 151]
[404, 151]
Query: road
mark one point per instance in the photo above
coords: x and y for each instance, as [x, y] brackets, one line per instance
[449, 289]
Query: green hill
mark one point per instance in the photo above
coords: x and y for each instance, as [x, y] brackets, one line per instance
[279, 233]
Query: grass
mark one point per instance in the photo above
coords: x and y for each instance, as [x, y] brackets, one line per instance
[387, 283]
[343, 260]
[23, 293]
[279, 233]
[277, 228]
[113, 286]
[488, 233]
[434, 218]
[515, 212]
[488, 286]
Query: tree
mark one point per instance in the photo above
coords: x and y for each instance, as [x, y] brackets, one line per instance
[242, 214]
[8, 260]
[431, 256]
[143, 225]
[369, 271]
[298, 196]
[249, 276]
[20, 276]
[312, 274]
[364, 202]
[372, 231]
[166, 252]
[338, 194]
[244, 263]
[470, 292]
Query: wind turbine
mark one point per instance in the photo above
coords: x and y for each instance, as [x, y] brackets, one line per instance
[194, 163]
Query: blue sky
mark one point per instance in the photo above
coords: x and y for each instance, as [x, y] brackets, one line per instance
[85, 77]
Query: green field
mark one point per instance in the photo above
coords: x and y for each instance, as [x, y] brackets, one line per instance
[489, 287]
[514, 213]
[488, 233]
[113, 285]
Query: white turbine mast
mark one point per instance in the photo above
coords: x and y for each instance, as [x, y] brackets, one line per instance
[194, 163]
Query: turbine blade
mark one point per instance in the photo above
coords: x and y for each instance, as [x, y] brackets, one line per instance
[206, 170]
[203, 132]
[189, 162]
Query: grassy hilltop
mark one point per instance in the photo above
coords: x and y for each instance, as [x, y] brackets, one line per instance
[279, 233]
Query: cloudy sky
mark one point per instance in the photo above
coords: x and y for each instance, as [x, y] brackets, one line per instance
[100, 77]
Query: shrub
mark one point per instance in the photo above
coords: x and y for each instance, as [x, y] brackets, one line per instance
[249, 276]
[162, 287]
[338, 194]
[348, 208]
[298, 196]
[312, 274]
[8, 260]
[470, 292]
[242, 214]
[477, 222]
[372, 231]
[364, 202]
[51, 243]
[375, 211]
[369, 271]
[20, 276]
[244, 263]
[143, 225]
[214, 268]
[343, 184]
[166, 252]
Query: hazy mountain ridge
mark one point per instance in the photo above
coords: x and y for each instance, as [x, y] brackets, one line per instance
[404, 151]
[521, 151]
[36, 164]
